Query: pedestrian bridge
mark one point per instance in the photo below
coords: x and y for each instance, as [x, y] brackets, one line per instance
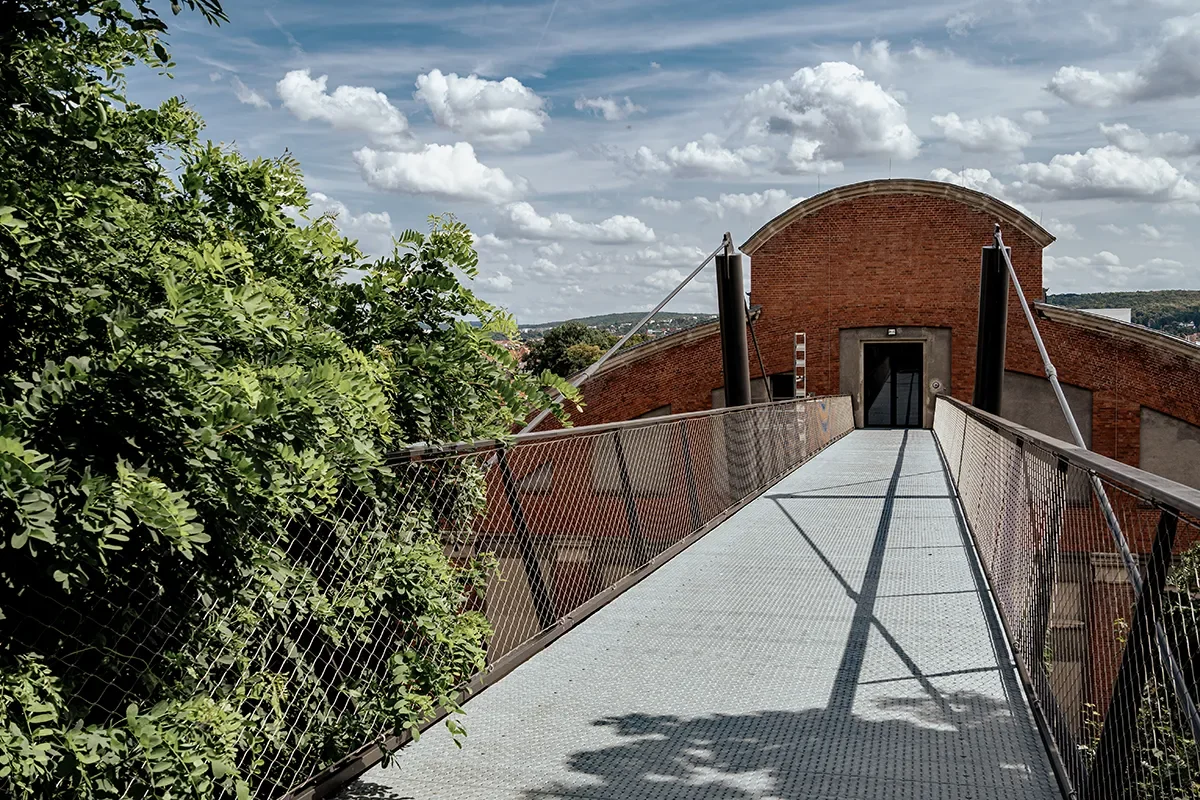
[764, 603]
[834, 638]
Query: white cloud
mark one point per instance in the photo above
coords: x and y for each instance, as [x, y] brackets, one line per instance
[876, 57]
[489, 241]
[1171, 70]
[353, 108]
[831, 112]
[1133, 140]
[670, 255]
[450, 172]
[609, 108]
[523, 220]
[981, 180]
[1149, 232]
[664, 280]
[661, 204]
[1063, 231]
[766, 203]
[1116, 230]
[550, 250]
[1107, 172]
[501, 113]
[706, 157]
[247, 95]
[961, 22]
[985, 135]
[372, 230]
[498, 282]
[1036, 117]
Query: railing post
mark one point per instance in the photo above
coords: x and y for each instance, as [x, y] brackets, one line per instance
[690, 473]
[1114, 751]
[542, 602]
[993, 325]
[635, 529]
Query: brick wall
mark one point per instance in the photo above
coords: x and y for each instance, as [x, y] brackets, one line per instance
[902, 253]
[874, 261]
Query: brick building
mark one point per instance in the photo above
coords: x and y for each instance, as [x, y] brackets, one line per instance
[882, 277]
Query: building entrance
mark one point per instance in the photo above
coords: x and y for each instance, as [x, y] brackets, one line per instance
[892, 384]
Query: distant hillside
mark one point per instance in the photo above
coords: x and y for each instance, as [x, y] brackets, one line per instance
[1172, 310]
[619, 323]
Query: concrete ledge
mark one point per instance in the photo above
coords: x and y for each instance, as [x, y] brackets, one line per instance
[1114, 327]
[1003, 213]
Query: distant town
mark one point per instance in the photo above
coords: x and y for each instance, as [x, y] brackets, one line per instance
[1173, 311]
[663, 324]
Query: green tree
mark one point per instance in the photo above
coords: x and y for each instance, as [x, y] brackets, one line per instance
[195, 412]
[572, 347]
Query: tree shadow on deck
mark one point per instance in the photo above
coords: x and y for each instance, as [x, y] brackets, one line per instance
[965, 748]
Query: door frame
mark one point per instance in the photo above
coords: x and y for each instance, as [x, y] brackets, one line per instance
[936, 366]
[862, 370]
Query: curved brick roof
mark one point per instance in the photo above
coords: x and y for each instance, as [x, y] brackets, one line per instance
[1008, 217]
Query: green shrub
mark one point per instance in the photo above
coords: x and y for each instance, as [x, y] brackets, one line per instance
[198, 518]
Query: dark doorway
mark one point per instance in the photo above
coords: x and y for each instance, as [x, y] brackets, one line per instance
[892, 384]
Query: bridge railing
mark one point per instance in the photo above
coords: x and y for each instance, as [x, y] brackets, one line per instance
[1112, 675]
[562, 521]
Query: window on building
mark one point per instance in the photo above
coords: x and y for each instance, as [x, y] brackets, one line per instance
[783, 385]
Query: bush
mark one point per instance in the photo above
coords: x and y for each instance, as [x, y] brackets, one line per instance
[195, 410]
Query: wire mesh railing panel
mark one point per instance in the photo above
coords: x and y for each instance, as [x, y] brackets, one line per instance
[1112, 671]
[367, 618]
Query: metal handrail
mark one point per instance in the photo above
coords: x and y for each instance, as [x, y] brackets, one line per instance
[419, 452]
[1153, 487]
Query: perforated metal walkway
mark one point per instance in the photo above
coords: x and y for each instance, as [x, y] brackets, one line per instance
[833, 639]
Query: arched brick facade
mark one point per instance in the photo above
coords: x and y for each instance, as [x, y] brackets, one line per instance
[906, 253]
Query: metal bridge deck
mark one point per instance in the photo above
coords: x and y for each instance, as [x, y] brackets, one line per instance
[833, 639]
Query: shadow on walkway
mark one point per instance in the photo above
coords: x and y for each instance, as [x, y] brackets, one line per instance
[806, 754]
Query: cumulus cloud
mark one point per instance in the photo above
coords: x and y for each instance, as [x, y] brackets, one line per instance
[981, 180]
[1107, 172]
[664, 280]
[373, 230]
[500, 113]
[610, 108]
[353, 108]
[450, 172]
[766, 203]
[489, 241]
[1036, 117]
[876, 57]
[831, 112]
[670, 255]
[523, 220]
[806, 124]
[1149, 232]
[247, 95]
[661, 204]
[984, 135]
[1171, 70]
[1133, 140]
[497, 283]
[706, 157]
[1063, 231]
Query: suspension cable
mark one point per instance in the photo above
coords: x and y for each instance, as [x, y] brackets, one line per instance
[1114, 526]
[579, 379]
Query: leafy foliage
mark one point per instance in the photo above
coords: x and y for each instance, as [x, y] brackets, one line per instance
[1171, 310]
[571, 348]
[195, 411]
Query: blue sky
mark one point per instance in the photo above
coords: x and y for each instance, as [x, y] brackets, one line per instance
[600, 149]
